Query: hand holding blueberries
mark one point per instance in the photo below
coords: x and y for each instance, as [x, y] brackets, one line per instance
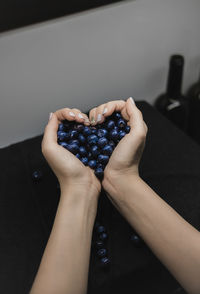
[126, 156]
[68, 168]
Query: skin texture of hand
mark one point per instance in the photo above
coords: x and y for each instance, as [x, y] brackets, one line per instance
[69, 170]
[125, 158]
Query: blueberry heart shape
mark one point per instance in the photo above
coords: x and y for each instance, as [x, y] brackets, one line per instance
[93, 145]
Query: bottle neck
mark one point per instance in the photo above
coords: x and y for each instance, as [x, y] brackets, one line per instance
[175, 76]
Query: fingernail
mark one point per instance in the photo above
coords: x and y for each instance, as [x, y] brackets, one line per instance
[131, 98]
[105, 110]
[98, 117]
[80, 115]
[92, 120]
[50, 115]
[71, 113]
[87, 120]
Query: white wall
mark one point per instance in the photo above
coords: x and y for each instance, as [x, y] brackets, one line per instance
[88, 58]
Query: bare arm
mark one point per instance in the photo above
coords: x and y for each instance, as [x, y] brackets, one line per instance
[64, 265]
[65, 262]
[175, 242]
[172, 239]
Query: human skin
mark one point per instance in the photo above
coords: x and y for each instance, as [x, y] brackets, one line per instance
[172, 239]
[65, 262]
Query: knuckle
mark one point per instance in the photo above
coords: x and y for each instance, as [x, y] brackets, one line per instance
[76, 109]
[110, 103]
[62, 110]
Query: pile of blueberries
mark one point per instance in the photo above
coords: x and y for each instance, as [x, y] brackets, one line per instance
[93, 145]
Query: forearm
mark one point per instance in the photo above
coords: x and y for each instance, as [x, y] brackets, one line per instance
[172, 239]
[65, 262]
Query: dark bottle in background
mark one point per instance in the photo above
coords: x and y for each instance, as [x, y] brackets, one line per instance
[173, 104]
[194, 106]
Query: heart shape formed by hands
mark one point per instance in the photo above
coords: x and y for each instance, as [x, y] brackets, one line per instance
[93, 146]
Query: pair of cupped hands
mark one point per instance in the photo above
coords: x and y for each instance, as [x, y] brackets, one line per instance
[124, 161]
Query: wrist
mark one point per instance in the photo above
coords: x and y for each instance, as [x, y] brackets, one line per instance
[116, 185]
[79, 197]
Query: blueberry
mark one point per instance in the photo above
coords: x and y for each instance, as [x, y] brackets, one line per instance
[95, 150]
[102, 133]
[87, 131]
[82, 151]
[100, 165]
[103, 236]
[74, 134]
[102, 142]
[78, 156]
[62, 135]
[107, 150]
[37, 175]
[100, 229]
[112, 144]
[89, 155]
[121, 134]
[84, 160]
[79, 127]
[110, 124]
[92, 163]
[81, 139]
[114, 135]
[136, 240]
[103, 158]
[116, 129]
[63, 144]
[61, 128]
[117, 115]
[92, 139]
[94, 130]
[101, 252]
[105, 261]
[99, 173]
[75, 141]
[127, 129]
[99, 243]
[74, 148]
[121, 123]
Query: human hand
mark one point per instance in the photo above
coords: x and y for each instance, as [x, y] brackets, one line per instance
[69, 170]
[125, 158]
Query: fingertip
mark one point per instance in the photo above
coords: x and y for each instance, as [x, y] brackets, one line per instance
[50, 115]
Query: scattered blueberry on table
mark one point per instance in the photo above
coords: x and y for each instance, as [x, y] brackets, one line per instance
[93, 146]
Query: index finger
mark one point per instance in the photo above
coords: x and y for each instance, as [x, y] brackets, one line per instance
[73, 114]
[98, 114]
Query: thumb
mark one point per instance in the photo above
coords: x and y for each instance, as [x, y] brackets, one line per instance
[135, 117]
[50, 132]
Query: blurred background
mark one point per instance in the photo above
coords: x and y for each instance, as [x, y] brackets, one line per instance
[84, 54]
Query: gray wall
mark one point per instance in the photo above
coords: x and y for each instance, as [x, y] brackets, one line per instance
[88, 58]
